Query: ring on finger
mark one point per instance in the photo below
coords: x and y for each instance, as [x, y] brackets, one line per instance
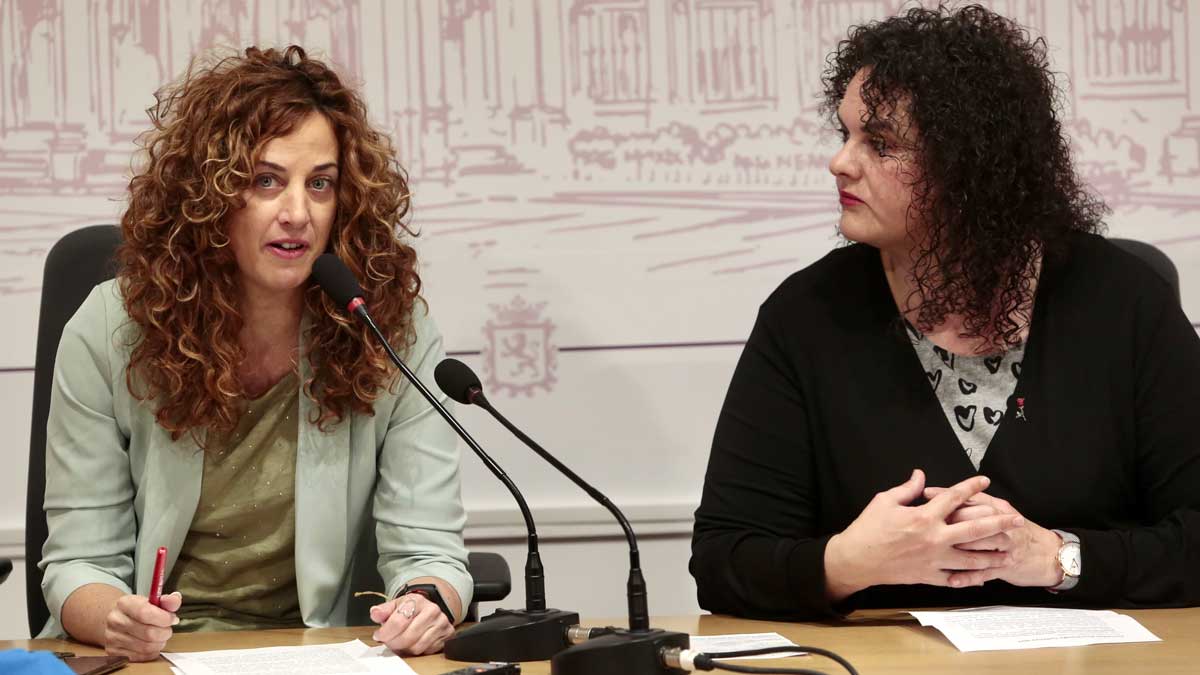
[407, 609]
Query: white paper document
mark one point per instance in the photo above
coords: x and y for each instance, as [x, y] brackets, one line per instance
[742, 641]
[331, 659]
[991, 628]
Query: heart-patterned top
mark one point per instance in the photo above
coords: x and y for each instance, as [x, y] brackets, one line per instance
[973, 390]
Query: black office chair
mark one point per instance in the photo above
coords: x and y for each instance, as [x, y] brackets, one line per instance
[1156, 259]
[76, 263]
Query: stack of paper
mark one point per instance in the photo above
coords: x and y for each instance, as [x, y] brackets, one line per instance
[331, 659]
[988, 628]
[711, 644]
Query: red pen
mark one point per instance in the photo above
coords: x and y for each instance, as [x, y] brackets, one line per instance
[156, 582]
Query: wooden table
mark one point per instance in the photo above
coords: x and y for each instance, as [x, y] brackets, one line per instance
[875, 641]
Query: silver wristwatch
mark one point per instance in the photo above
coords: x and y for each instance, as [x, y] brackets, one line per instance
[1070, 560]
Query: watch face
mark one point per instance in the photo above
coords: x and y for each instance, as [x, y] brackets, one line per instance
[1069, 558]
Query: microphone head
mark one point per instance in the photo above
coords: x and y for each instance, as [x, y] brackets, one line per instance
[338, 282]
[456, 380]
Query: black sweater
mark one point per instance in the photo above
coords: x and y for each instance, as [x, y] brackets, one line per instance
[829, 405]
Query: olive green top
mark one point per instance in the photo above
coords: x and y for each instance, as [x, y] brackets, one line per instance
[237, 567]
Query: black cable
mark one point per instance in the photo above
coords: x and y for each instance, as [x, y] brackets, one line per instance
[707, 661]
[773, 671]
[757, 651]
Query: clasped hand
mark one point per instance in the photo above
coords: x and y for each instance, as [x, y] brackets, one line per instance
[960, 537]
[411, 625]
[1032, 550]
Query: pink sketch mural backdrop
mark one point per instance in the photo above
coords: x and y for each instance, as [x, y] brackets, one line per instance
[605, 171]
[605, 189]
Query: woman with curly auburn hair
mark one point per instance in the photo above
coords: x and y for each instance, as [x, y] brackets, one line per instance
[212, 400]
[978, 324]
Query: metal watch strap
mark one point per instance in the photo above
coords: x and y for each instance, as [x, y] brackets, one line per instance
[431, 593]
[1068, 581]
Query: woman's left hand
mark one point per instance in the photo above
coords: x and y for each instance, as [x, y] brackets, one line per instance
[411, 625]
[1032, 549]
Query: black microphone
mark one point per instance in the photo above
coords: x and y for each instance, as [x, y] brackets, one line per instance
[533, 634]
[338, 282]
[635, 651]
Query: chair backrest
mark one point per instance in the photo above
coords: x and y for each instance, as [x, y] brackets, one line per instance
[74, 266]
[1153, 257]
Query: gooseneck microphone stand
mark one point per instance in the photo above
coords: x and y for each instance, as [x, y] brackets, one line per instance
[532, 634]
[635, 651]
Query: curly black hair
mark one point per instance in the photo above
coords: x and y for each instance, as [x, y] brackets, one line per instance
[997, 187]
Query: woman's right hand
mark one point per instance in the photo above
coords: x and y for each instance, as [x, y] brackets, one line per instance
[139, 630]
[893, 543]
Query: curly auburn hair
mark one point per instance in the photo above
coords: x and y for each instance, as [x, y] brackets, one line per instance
[178, 277]
[996, 187]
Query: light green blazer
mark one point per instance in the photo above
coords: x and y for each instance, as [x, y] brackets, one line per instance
[118, 487]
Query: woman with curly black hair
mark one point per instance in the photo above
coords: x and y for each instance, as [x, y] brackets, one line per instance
[212, 400]
[981, 400]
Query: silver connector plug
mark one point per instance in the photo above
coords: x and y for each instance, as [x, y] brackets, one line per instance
[682, 659]
[578, 634]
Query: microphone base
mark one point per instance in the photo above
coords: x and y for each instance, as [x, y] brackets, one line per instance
[513, 635]
[623, 651]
